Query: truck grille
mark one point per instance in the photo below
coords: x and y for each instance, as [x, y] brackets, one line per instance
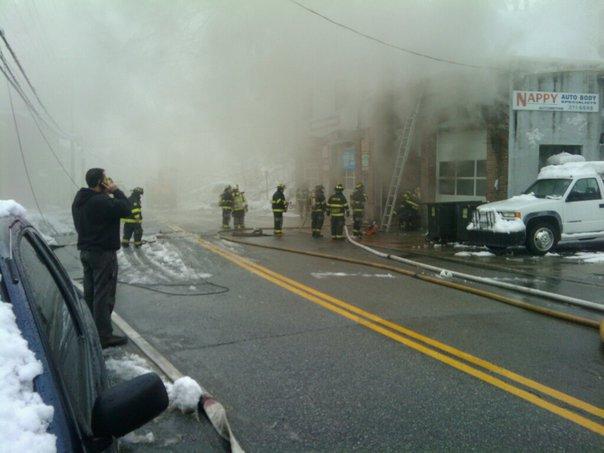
[484, 219]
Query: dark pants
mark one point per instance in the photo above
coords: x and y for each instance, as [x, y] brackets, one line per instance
[317, 223]
[100, 282]
[135, 229]
[278, 217]
[337, 227]
[357, 225]
[226, 218]
[239, 219]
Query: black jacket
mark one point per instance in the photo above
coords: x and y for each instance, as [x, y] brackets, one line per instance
[96, 217]
[279, 204]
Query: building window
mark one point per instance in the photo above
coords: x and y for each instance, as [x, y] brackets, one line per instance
[462, 178]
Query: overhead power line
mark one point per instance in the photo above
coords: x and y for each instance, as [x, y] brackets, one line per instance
[11, 79]
[31, 86]
[25, 167]
[392, 46]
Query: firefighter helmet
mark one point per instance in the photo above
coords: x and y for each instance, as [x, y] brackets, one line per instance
[339, 188]
[138, 190]
[360, 185]
[281, 186]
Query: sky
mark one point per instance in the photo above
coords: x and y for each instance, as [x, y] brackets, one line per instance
[202, 91]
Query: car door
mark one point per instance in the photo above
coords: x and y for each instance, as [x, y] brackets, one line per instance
[584, 209]
[63, 328]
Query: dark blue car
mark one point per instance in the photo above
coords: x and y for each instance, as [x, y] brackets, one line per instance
[55, 321]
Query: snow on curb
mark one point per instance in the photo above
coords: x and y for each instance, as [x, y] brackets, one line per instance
[483, 253]
[587, 257]
[24, 418]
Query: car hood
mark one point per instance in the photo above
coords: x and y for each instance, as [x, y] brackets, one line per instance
[520, 203]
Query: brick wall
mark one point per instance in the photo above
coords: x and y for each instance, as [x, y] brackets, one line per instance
[497, 158]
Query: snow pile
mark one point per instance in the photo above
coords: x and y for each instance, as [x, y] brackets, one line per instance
[126, 367]
[167, 265]
[320, 275]
[572, 170]
[445, 273]
[11, 208]
[564, 158]
[184, 394]
[134, 438]
[483, 253]
[588, 257]
[524, 197]
[24, 418]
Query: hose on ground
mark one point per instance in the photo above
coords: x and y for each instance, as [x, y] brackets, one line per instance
[437, 281]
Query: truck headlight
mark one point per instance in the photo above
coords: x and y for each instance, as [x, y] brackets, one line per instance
[511, 215]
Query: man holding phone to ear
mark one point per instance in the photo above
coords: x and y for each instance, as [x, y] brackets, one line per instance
[96, 216]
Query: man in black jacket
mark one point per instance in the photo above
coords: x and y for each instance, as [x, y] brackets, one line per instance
[96, 216]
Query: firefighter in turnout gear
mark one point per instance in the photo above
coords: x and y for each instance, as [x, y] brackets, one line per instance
[279, 206]
[239, 209]
[337, 207]
[358, 199]
[133, 224]
[409, 211]
[226, 203]
[318, 206]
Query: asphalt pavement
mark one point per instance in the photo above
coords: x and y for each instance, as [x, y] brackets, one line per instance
[298, 369]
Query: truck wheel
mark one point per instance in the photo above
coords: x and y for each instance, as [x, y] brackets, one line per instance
[541, 237]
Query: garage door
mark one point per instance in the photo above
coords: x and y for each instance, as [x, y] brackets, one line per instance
[461, 170]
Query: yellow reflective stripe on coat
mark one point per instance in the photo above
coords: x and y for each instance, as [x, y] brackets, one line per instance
[132, 220]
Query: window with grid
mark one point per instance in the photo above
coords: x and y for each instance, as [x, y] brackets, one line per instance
[464, 177]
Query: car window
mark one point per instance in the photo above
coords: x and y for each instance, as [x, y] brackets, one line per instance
[549, 188]
[66, 345]
[585, 189]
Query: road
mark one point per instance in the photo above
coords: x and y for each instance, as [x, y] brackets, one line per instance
[312, 354]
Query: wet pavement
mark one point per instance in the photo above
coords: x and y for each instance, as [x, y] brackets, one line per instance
[295, 376]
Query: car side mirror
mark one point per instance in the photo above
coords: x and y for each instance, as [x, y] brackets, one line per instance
[572, 197]
[128, 406]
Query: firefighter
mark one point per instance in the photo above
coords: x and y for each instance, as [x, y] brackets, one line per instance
[409, 211]
[279, 206]
[226, 203]
[239, 209]
[358, 199]
[317, 205]
[133, 223]
[337, 207]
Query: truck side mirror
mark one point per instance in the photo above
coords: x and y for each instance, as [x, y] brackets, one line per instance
[128, 406]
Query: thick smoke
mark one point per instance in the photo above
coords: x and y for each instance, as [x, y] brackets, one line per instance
[206, 91]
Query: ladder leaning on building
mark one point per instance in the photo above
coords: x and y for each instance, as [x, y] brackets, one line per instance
[404, 148]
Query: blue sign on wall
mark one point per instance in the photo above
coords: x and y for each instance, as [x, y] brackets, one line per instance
[348, 159]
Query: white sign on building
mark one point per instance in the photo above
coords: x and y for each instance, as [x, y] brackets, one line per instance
[549, 100]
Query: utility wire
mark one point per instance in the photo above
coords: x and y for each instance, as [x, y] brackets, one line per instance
[35, 115]
[25, 167]
[392, 46]
[31, 86]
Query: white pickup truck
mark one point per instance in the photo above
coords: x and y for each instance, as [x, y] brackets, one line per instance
[564, 204]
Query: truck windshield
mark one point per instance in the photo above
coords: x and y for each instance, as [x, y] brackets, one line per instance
[549, 188]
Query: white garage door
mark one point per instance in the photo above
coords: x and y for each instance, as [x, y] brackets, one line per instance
[461, 170]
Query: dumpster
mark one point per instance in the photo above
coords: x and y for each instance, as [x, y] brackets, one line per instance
[463, 216]
[442, 225]
[447, 221]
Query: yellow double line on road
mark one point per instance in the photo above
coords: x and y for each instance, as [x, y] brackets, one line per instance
[395, 332]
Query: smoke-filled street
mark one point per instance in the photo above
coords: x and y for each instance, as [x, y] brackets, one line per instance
[299, 225]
